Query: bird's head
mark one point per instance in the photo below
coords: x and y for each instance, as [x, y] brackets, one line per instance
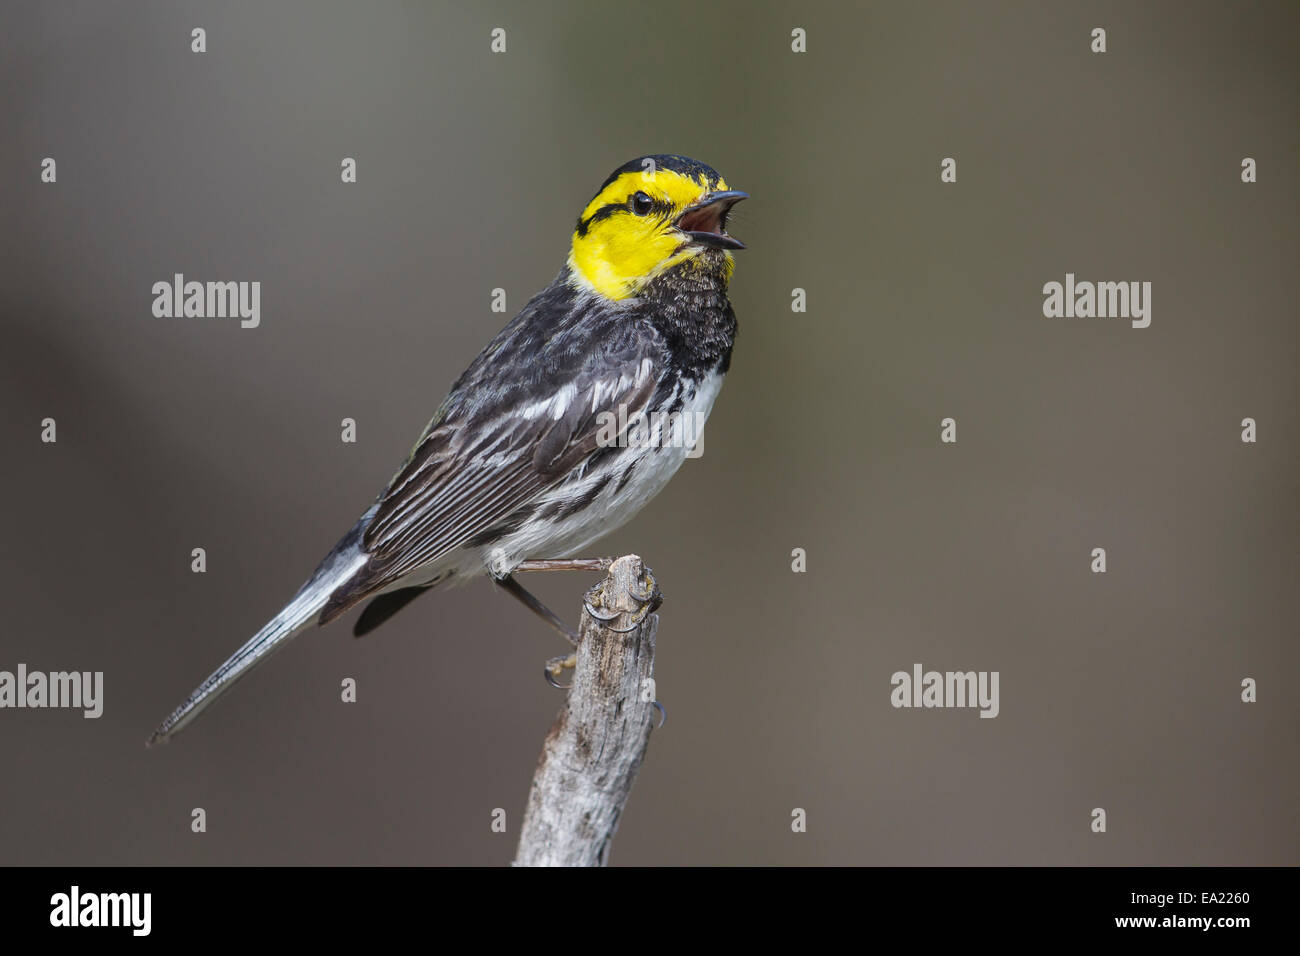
[652, 214]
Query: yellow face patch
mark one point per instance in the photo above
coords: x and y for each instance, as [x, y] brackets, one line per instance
[622, 241]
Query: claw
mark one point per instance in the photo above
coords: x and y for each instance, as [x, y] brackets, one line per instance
[651, 591]
[587, 606]
[663, 715]
[637, 618]
[555, 666]
[652, 597]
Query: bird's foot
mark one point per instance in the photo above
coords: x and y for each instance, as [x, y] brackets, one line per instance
[637, 596]
[644, 593]
[556, 666]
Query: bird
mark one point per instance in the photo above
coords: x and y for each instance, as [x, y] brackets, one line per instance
[563, 427]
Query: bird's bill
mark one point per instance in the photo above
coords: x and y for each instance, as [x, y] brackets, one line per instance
[705, 221]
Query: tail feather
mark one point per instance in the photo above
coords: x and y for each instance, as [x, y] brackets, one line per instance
[298, 615]
[284, 626]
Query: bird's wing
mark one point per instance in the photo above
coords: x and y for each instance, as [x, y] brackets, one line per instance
[486, 456]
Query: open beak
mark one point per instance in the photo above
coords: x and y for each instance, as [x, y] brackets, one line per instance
[706, 221]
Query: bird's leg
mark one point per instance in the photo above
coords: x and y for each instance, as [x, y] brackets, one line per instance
[537, 607]
[566, 564]
[650, 601]
[556, 665]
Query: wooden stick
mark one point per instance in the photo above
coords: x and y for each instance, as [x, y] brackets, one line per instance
[594, 749]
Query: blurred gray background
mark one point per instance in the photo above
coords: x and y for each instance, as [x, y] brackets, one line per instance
[924, 301]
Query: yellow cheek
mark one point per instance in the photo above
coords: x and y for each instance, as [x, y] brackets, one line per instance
[616, 261]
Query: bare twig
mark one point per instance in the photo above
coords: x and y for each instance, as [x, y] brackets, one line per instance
[595, 747]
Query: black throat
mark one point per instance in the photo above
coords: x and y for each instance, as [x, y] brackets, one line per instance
[688, 306]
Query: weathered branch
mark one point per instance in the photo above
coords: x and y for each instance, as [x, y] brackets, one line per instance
[595, 747]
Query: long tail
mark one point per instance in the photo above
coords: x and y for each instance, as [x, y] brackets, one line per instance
[298, 615]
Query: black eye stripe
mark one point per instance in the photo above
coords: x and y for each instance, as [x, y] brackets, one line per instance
[604, 212]
[659, 206]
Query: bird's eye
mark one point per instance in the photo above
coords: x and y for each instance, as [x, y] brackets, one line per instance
[642, 204]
